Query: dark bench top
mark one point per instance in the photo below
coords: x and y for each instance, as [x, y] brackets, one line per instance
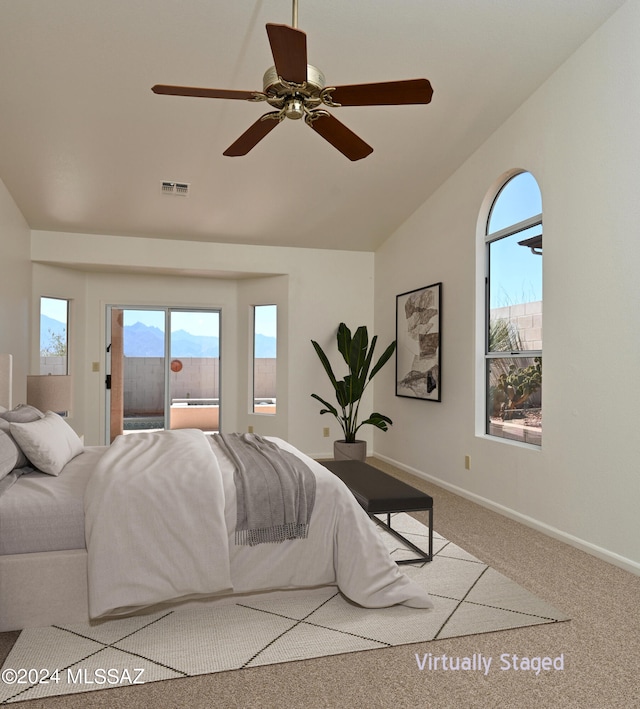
[377, 491]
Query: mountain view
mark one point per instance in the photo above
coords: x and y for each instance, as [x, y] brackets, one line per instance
[50, 329]
[146, 341]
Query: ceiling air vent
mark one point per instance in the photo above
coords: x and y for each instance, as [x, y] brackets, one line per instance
[178, 188]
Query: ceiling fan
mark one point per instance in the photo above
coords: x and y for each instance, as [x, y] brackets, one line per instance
[297, 90]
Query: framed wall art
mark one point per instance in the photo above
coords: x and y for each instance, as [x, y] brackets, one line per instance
[418, 331]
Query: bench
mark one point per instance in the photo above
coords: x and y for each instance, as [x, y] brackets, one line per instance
[379, 493]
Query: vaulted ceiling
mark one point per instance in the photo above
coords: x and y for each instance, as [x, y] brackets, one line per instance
[85, 145]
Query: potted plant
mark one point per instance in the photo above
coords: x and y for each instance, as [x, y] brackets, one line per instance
[358, 356]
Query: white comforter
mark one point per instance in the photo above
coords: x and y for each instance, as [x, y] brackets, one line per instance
[160, 512]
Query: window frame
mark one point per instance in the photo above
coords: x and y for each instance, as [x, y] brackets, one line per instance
[533, 221]
[272, 409]
[42, 367]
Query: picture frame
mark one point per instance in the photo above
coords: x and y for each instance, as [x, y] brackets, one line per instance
[418, 343]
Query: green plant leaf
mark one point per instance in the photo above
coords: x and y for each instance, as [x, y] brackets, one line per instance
[343, 392]
[386, 355]
[325, 363]
[358, 351]
[367, 362]
[330, 408]
[354, 388]
[379, 421]
[344, 341]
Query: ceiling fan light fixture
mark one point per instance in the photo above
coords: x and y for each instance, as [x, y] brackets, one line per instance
[294, 109]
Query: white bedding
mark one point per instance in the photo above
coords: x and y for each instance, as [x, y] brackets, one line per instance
[42, 513]
[155, 525]
[137, 560]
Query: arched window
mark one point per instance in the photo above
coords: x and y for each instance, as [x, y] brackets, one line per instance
[513, 312]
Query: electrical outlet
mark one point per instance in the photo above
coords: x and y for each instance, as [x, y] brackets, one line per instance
[325, 432]
[249, 429]
[467, 462]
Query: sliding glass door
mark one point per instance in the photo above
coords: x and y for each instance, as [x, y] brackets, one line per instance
[163, 369]
[194, 369]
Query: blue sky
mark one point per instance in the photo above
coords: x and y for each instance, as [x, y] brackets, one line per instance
[266, 320]
[516, 273]
[55, 308]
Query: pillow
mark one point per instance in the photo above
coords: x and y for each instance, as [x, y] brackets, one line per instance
[10, 454]
[22, 413]
[49, 443]
[9, 449]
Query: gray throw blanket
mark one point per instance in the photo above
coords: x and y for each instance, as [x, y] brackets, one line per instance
[275, 490]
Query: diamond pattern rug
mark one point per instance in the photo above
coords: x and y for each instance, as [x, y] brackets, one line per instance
[469, 598]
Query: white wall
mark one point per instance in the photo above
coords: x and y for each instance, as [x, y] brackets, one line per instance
[315, 289]
[578, 135]
[15, 277]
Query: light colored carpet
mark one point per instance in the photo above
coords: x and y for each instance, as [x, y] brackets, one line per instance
[469, 596]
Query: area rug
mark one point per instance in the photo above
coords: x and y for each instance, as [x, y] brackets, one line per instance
[469, 597]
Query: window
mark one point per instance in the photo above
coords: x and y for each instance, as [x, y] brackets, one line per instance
[513, 312]
[163, 369]
[265, 320]
[54, 336]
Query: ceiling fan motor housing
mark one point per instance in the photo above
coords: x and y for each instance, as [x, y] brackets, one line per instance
[295, 99]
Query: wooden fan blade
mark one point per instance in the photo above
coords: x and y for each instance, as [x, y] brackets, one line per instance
[204, 93]
[341, 137]
[289, 49]
[251, 137]
[388, 93]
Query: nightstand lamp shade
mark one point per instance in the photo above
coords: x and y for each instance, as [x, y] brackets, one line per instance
[49, 392]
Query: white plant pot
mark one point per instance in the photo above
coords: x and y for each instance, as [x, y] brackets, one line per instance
[350, 451]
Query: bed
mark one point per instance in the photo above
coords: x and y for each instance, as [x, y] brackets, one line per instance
[82, 544]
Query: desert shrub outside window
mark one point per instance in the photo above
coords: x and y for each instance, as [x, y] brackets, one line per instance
[54, 335]
[513, 314]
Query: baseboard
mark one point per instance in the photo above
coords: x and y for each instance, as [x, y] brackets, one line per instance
[604, 554]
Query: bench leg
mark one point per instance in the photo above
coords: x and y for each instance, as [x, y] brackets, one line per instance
[424, 556]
